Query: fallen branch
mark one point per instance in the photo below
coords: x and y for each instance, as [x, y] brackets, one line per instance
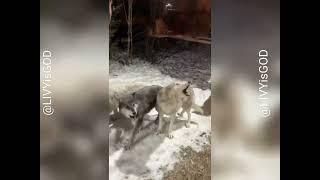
[186, 38]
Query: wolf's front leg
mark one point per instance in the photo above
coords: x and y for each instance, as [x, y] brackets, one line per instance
[182, 112]
[160, 123]
[129, 142]
[189, 118]
[172, 119]
[156, 124]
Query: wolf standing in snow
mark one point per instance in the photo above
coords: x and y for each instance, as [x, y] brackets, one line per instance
[170, 99]
[135, 106]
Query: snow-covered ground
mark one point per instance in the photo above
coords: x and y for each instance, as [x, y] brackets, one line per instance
[153, 155]
[188, 62]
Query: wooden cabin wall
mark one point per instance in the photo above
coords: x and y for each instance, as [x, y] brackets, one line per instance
[191, 17]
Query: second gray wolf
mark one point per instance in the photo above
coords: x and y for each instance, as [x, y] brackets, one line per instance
[169, 101]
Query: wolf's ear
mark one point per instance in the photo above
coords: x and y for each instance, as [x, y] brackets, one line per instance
[193, 86]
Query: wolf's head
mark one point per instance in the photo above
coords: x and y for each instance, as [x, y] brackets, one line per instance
[184, 88]
[188, 91]
[128, 108]
[178, 86]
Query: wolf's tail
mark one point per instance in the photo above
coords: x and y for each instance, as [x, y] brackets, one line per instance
[197, 109]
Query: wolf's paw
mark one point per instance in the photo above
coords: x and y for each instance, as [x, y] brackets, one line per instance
[154, 127]
[187, 125]
[126, 145]
[158, 132]
[170, 136]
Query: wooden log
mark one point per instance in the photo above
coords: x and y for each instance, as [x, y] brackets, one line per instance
[204, 40]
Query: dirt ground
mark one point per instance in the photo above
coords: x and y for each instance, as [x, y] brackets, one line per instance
[192, 166]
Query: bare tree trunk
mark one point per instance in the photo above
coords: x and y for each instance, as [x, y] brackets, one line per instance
[150, 40]
[129, 31]
[110, 9]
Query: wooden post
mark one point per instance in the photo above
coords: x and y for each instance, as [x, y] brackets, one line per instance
[150, 40]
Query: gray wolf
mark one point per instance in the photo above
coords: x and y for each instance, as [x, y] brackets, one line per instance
[135, 106]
